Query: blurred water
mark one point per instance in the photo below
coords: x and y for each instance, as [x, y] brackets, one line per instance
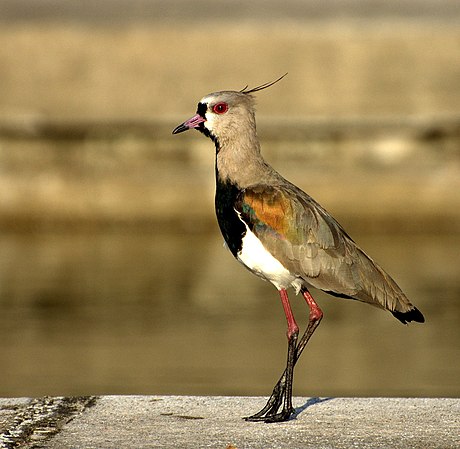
[167, 313]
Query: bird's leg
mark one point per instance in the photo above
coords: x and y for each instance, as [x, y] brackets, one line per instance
[279, 391]
[282, 393]
[314, 318]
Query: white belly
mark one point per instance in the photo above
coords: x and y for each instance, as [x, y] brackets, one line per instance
[255, 257]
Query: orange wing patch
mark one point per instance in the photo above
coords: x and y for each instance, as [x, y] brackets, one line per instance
[269, 209]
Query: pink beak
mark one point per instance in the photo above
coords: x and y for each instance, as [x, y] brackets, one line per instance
[193, 122]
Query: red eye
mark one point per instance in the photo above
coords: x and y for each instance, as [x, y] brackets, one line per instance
[220, 108]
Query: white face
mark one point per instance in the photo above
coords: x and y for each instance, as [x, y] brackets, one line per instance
[227, 114]
[223, 116]
[217, 108]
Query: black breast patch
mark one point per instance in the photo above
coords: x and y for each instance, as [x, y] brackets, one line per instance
[232, 228]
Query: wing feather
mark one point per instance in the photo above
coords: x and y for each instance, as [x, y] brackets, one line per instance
[310, 243]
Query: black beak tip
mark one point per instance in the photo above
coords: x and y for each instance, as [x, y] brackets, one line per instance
[180, 129]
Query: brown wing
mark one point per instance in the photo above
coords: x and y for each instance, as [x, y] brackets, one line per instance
[307, 240]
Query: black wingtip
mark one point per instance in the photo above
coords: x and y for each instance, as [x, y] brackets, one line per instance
[407, 317]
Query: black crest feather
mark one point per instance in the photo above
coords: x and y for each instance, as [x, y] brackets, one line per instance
[262, 86]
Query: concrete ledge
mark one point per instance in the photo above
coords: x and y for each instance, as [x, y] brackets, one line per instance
[215, 422]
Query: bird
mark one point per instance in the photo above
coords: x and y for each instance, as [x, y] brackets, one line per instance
[282, 235]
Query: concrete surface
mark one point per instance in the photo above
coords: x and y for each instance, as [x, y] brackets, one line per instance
[215, 422]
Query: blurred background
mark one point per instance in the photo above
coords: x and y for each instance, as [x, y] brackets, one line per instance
[113, 277]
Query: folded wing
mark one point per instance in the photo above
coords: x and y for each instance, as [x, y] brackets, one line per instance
[313, 246]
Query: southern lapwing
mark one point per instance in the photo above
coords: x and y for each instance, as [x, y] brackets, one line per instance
[283, 235]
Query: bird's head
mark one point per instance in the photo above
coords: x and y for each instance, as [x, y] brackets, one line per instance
[225, 114]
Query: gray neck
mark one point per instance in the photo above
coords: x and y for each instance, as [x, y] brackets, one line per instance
[239, 161]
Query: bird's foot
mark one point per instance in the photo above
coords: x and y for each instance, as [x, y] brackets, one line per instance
[272, 416]
[270, 412]
[284, 415]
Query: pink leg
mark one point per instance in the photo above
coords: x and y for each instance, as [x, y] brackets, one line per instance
[292, 328]
[316, 314]
[282, 393]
